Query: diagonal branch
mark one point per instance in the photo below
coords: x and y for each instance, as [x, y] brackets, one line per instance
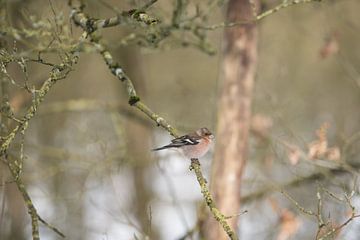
[85, 23]
[316, 176]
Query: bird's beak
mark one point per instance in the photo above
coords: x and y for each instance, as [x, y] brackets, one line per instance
[211, 136]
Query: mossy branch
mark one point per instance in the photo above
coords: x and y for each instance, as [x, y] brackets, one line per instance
[81, 19]
[57, 73]
[219, 217]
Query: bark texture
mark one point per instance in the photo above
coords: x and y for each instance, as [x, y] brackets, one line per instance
[234, 114]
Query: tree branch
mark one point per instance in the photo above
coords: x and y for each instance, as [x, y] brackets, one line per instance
[134, 100]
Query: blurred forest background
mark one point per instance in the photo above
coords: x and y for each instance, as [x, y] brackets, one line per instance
[86, 155]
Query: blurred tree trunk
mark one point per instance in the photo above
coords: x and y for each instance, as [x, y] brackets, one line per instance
[17, 213]
[138, 145]
[234, 114]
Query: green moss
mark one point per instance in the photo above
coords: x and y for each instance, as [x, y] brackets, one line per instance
[133, 100]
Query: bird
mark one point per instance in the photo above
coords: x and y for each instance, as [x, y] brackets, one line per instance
[193, 145]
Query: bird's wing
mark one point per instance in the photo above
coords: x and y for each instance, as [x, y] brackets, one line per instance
[181, 141]
[185, 140]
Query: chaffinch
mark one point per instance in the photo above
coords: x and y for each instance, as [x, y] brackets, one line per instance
[193, 145]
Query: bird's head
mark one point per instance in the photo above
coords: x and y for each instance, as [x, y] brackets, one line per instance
[204, 132]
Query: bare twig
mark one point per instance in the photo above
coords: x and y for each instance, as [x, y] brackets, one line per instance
[320, 235]
[284, 4]
[297, 205]
[58, 72]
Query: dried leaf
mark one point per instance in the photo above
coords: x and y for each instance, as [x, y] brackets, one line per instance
[333, 154]
[318, 148]
[261, 125]
[289, 225]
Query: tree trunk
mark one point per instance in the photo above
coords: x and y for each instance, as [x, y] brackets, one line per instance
[234, 114]
[138, 140]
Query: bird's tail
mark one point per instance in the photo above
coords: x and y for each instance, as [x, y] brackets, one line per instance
[162, 148]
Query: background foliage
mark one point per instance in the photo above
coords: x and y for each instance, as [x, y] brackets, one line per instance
[85, 156]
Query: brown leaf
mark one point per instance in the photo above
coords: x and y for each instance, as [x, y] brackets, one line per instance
[261, 125]
[333, 154]
[318, 148]
[289, 225]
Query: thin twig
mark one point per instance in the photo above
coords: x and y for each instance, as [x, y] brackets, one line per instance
[284, 4]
